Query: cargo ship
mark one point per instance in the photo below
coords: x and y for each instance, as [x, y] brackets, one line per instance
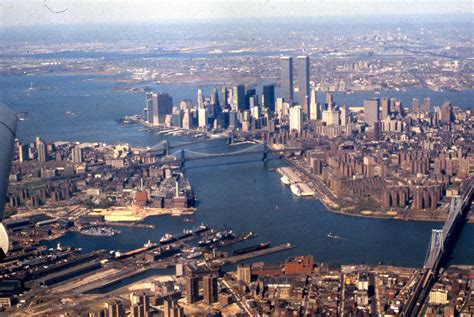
[167, 238]
[260, 246]
[100, 231]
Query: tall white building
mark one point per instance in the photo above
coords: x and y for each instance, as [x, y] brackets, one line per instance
[345, 116]
[202, 117]
[296, 119]
[313, 106]
[331, 116]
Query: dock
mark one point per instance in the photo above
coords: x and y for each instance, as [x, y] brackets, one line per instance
[250, 255]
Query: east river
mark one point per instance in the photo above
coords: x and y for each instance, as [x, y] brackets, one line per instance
[240, 192]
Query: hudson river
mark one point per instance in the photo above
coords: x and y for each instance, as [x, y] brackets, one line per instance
[242, 193]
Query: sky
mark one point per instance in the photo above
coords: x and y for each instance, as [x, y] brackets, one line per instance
[60, 12]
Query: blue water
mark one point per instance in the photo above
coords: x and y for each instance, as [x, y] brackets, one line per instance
[238, 192]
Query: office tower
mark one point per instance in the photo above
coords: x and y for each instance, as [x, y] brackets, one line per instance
[192, 289]
[313, 106]
[187, 120]
[115, 309]
[415, 105]
[202, 117]
[286, 78]
[302, 64]
[331, 116]
[249, 94]
[162, 105]
[200, 98]
[399, 107]
[268, 97]
[385, 108]
[426, 104]
[244, 273]
[329, 99]
[446, 113]
[77, 154]
[371, 111]
[392, 105]
[210, 289]
[224, 97]
[215, 97]
[345, 116]
[149, 107]
[238, 98]
[296, 119]
[22, 152]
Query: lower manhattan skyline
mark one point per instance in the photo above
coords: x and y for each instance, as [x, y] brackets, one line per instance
[267, 158]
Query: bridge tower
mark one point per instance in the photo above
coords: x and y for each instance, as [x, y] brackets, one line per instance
[435, 248]
[183, 160]
[265, 151]
[166, 143]
[230, 140]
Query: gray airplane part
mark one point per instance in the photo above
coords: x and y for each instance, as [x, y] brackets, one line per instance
[8, 122]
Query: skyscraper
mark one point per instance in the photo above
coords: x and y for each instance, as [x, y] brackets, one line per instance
[426, 104]
[302, 64]
[371, 111]
[415, 105]
[149, 107]
[202, 117]
[313, 106]
[249, 94]
[200, 98]
[238, 98]
[210, 289]
[162, 105]
[268, 99]
[224, 97]
[296, 119]
[192, 289]
[22, 152]
[385, 108]
[287, 78]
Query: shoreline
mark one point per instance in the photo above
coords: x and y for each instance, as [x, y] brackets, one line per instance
[372, 214]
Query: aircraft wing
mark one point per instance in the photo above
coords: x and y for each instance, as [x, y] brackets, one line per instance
[8, 122]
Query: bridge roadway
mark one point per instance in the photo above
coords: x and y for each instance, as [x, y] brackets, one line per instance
[431, 270]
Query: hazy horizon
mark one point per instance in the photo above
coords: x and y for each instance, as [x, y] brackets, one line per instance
[27, 13]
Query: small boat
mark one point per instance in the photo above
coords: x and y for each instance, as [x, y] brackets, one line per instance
[333, 236]
[188, 220]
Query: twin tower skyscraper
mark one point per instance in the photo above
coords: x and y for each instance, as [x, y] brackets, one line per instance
[302, 77]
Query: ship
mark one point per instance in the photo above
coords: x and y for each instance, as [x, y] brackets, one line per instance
[167, 238]
[100, 231]
[194, 255]
[333, 236]
[200, 229]
[260, 246]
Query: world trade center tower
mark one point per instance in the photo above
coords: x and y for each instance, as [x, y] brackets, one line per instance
[287, 78]
[302, 70]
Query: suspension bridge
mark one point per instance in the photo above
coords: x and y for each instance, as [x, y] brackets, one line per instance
[441, 244]
[184, 155]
